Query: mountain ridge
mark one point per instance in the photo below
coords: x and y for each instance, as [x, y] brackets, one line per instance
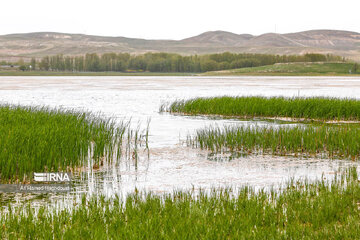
[39, 44]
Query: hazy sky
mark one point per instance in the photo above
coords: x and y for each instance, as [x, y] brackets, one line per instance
[165, 19]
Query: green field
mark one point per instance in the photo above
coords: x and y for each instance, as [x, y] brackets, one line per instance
[291, 69]
[38, 139]
[302, 210]
[312, 108]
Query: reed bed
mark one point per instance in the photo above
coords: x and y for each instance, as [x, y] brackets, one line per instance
[318, 108]
[302, 210]
[329, 141]
[43, 139]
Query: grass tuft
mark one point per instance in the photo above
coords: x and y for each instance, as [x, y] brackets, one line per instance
[318, 108]
[43, 139]
[339, 141]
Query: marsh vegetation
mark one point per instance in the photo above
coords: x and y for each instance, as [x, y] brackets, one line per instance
[324, 141]
[311, 108]
[320, 210]
[44, 139]
[318, 139]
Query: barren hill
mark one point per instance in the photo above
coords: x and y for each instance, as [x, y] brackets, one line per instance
[219, 38]
[28, 45]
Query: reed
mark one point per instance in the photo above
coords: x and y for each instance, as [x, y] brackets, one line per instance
[302, 210]
[43, 139]
[320, 108]
[329, 141]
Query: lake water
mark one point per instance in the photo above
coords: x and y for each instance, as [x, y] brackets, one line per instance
[172, 165]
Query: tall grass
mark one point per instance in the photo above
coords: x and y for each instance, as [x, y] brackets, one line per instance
[339, 141]
[40, 139]
[309, 108]
[303, 210]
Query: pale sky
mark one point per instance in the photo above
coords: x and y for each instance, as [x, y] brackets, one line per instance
[166, 19]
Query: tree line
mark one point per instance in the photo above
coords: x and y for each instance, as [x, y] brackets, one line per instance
[166, 62]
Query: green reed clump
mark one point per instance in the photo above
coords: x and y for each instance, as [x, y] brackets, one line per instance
[309, 108]
[339, 141]
[38, 139]
[302, 210]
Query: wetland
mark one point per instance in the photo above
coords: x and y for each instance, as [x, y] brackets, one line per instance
[148, 160]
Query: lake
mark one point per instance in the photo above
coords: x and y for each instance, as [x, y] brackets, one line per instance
[171, 165]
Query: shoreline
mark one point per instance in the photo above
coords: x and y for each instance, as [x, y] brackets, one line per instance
[169, 74]
[80, 74]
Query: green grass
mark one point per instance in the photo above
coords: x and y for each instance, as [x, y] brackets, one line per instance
[290, 69]
[302, 210]
[50, 73]
[39, 139]
[339, 141]
[317, 108]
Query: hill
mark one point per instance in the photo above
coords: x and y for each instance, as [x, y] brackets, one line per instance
[343, 43]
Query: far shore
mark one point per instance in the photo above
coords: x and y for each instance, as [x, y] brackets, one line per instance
[54, 73]
[219, 74]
